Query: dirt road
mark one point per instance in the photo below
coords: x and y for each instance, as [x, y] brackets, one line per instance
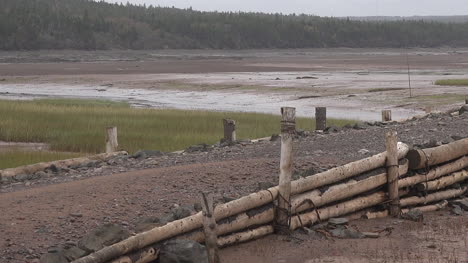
[39, 215]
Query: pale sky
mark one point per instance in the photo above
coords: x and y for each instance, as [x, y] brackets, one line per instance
[323, 7]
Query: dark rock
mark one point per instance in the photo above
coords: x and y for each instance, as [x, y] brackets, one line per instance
[456, 137]
[346, 233]
[74, 253]
[147, 154]
[332, 129]
[53, 168]
[338, 221]
[180, 212]
[167, 218]
[413, 215]
[102, 236]
[147, 223]
[22, 177]
[360, 126]
[310, 171]
[462, 203]
[274, 138]
[53, 258]
[38, 175]
[463, 109]
[348, 126]
[182, 251]
[456, 210]
[198, 148]
[197, 207]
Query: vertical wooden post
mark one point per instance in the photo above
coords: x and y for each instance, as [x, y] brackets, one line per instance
[386, 115]
[288, 129]
[111, 140]
[209, 227]
[229, 130]
[320, 118]
[392, 172]
[466, 99]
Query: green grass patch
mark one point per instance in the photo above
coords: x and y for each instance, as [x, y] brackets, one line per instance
[79, 125]
[14, 158]
[452, 82]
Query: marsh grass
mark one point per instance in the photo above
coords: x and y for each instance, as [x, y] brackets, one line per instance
[452, 82]
[79, 125]
[17, 158]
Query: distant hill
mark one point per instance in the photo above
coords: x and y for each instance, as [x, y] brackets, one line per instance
[442, 19]
[85, 24]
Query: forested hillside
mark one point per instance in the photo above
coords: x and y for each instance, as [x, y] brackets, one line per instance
[84, 24]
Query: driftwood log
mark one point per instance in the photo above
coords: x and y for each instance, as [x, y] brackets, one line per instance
[234, 207]
[316, 198]
[433, 197]
[33, 168]
[425, 208]
[442, 182]
[428, 157]
[435, 173]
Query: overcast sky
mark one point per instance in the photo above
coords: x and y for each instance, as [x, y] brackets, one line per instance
[323, 7]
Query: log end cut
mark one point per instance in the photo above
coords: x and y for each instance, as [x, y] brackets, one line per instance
[416, 159]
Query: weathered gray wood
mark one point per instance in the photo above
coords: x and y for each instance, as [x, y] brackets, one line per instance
[427, 157]
[209, 228]
[288, 128]
[229, 130]
[320, 118]
[386, 115]
[392, 172]
[111, 140]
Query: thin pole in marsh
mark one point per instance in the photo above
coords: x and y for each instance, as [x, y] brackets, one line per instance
[409, 75]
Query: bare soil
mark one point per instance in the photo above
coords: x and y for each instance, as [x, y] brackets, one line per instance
[50, 212]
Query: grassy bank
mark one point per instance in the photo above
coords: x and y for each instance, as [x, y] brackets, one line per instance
[452, 82]
[79, 125]
[18, 158]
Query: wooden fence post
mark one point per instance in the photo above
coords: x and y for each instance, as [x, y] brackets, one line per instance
[111, 140]
[466, 99]
[229, 130]
[288, 129]
[320, 118]
[386, 115]
[209, 227]
[392, 172]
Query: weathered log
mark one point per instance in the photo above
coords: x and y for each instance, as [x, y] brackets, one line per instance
[111, 140]
[443, 182]
[392, 172]
[33, 168]
[237, 206]
[288, 128]
[424, 209]
[435, 172]
[320, 118]
[434, 197]
[229, 130]
[144, 256]
[386, 115]
[427, 157]
[346, 171]
[316, 198]
[245, 236]
[209, 228]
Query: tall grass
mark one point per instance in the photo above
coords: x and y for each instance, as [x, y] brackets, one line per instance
[79, 125]
[11, 159]
[452, 82]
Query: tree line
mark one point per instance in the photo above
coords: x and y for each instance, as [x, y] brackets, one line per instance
[86, 24]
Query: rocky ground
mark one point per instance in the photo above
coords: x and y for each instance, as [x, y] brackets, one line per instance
[53, 209]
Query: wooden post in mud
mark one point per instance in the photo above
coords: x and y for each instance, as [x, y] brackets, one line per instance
[111, 140]
[209, 227]
[386, 115]
[229, 130]
[466, 99]
[283, 211]
[392, 172]
[320, 118]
